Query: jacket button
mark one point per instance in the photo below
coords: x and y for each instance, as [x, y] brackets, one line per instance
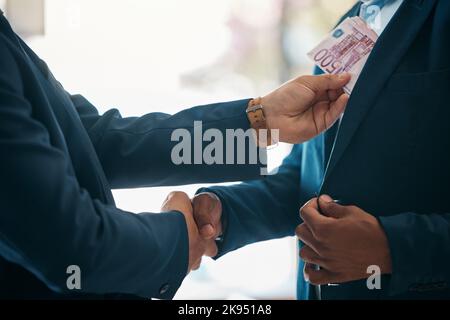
[164, 289]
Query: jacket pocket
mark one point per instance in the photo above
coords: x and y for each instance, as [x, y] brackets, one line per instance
[436, 82]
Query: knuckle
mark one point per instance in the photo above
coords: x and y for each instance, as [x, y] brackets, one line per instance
[301, 212]
[202, 200]
[304, 210]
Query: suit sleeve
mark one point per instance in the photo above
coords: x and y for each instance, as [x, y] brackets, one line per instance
[48, 222]
[137, 151]
[261, 209]
[420, 250]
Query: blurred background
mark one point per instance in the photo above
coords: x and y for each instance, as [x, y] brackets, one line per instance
[141, 56]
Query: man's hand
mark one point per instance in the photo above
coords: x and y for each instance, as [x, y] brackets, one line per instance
[179, 201]
[306, 106]
[207, 215]
[342, 240]
[203, 223]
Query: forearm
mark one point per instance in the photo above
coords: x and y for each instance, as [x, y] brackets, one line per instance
[118, 252]
[260, 210]
[48, 221]
[137, 151]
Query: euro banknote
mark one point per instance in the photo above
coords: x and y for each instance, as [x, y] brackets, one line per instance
[345, 49]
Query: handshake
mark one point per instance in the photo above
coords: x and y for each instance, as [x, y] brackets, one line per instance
[203, 220]
[342, 240]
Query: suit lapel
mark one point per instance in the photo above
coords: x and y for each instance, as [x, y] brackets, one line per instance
[386, 55]
[330, 134]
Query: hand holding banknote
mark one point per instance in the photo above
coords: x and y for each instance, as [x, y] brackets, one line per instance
[346, 49]
[304, 107]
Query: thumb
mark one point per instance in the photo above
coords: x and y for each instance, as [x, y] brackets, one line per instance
[337, 107]
[207, 215]
[331, 208]
[325, 82]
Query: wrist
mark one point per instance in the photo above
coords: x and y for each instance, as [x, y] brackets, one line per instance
[385, 252]
[259, 117]
[269, 113]
[386, 264]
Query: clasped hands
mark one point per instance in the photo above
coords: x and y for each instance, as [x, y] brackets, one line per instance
[203, 220]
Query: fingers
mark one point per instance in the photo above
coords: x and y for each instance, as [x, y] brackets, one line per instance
[318, 277]
[211, 249]
[329, 95]
[337, 107]
[305, 235]
[197, 264]
[325, 82]
[333, 95]
[203, 221]
[207, 215]
[332, 209]
[312, 217]
[308, 255]
[326, 113]
[177, 201]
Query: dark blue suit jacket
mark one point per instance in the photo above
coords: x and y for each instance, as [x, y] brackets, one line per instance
[59, 161]
[390, 156]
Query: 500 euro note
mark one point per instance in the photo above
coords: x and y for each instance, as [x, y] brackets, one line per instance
[346, 49]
